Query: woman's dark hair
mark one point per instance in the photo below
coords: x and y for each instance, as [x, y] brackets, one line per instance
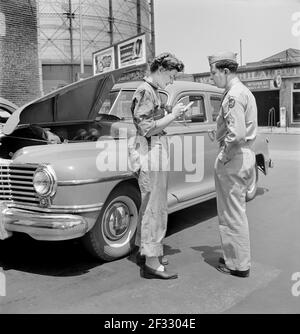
[168, 61]
[231, 65]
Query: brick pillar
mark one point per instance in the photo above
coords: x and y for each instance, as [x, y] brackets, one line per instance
[20, 71]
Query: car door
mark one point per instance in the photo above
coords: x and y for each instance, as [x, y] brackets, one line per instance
[192, 147]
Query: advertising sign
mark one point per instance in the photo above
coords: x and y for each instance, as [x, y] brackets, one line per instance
[257, 85]
[277, 81]
[132, 52]
[104, 60]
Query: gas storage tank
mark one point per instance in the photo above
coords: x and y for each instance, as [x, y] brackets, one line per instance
[102, 23]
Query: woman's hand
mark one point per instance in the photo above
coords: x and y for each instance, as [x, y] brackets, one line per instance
[178, 110]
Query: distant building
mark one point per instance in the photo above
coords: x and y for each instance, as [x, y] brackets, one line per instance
[103, 23]
[275, 83]
[40, 47]
[20, 70]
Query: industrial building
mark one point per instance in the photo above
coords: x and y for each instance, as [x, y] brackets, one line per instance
[275, 83]
[20, 68]
[46, 44]
[72, 30]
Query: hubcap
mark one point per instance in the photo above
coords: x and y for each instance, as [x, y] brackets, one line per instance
[116, 221]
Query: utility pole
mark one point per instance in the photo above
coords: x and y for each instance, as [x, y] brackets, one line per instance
[70, 16]
[138, 10]
[111, 22]
[152, 28]
[241, 53]
[81, 42]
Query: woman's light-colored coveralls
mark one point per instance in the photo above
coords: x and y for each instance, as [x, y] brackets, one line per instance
[234, 168]
[149, 155]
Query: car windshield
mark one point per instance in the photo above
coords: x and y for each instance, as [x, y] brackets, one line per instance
[118, 103]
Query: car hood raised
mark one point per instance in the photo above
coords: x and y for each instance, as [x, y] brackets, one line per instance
[7, 105]
[78, 101]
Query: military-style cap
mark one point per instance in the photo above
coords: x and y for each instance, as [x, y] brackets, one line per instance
[228, 55]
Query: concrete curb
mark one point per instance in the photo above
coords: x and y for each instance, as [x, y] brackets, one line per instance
[274, 130]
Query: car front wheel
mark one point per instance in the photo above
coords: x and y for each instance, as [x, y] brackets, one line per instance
[113, 233]
[252, 189]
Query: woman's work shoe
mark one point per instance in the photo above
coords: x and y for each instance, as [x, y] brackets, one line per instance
[239, 273]
[140, 259]
[152, 273]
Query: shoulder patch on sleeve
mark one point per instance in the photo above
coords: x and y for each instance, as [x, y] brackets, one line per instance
[231, 102]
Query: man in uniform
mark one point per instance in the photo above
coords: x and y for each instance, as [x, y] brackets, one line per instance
[235, 163]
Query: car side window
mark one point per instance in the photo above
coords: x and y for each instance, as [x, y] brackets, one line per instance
[196, 113]
[122, 105]
[108, 102]
[118, 103]
[215, 102]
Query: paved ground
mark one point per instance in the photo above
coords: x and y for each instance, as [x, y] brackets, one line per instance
[60, 278]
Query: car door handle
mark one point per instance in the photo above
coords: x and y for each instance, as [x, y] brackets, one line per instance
[212, 134]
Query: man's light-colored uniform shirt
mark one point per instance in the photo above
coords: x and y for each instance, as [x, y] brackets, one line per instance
[237, 119]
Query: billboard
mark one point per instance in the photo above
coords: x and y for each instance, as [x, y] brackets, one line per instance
[132, 52]
[126, 53]
[104, 60]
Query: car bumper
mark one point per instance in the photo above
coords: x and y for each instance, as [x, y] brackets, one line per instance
[41, 226]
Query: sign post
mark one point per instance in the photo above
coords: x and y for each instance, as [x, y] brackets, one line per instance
[282, 117]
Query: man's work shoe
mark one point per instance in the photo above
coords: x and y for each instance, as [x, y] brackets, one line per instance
[152, 273]
[141, 259]
[239, 273]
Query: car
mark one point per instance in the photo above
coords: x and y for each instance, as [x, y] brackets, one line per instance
[54, 180]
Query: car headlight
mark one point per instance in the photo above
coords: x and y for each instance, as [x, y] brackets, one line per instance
[44, 181]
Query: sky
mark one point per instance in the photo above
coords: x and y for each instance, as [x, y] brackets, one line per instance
[194, 29]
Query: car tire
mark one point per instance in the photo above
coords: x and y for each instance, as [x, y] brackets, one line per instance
[113, 234]
[252, 189]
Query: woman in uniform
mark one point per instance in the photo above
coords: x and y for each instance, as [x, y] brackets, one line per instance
[150, 120]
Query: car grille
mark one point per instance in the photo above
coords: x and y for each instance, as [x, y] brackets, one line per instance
[16, 183]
